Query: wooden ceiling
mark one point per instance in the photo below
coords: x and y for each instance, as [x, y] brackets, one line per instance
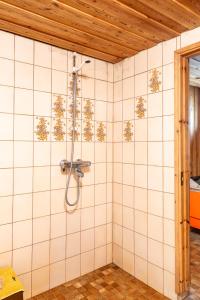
[110, 30]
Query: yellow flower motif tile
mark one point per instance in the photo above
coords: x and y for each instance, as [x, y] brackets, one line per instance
[42, 132]
[140, 109]
[58, 129]
[128, 131]
[76, 131]
[155, 81]
[88, 124]
[58, 106]
[100, 132]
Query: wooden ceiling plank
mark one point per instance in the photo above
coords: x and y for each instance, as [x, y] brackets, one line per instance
[122, 16]
[58, 12]
[52, 40]
[153, 14]
[191, 5]
[174, 11]
[33, 21]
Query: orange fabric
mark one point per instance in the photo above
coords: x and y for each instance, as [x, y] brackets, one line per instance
[195, 209]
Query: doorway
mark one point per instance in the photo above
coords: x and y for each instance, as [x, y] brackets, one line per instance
[184, 168]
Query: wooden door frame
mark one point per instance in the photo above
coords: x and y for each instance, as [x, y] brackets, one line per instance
[182, 166]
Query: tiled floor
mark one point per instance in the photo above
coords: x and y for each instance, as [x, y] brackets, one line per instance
[107, 283]
[195, 266]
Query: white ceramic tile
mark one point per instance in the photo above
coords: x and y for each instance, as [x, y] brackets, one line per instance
[128, 240]
[41, 179]
[169, 232]
[42, 104]
[41, 229]
[5, 238]
[59, 59]
[141, 245]
[100, 173]
[7, 44]
[23, 101]
[6, 210]
[89, 68]
[100, 257]
[42, 54]
[141, 199]
[168, 128]
[141, 130]
[41, 204]
[6, 72]
[110, 72]
[88, 88]
[6, 126]
[190, 37]
[140, 222]
[6, 154]
[57, 249]
[40, 280]
[155, 105]
[128, 88]
[22, 207]
[73, 267]
[155, 178]
[168, 180]
[23, 75]
[117, 234]
[141, 153]
[141, 62]
[6, 96]
[59, 82]
[100, 194]
[168, 102]
[169, 285]
[155, 129]
[128, 196]
[168, 154]
[128, 174]
[58, 181]
[169, 258]
[118, 91]
[22, 234]
[128, 67]
[26, 281]
[22, 180]
[155, 228]
[155, 278]
[155, 253]
[23, 154]
[117, 214]
[58, 225]
[141, 176]
[20, 264]
[155, 56]
[128, 152]
[168, 77]
[169, 206]
[100, 110]
[73, 244]
[6, 179]
[5, 259]
[128, 217]
[57, 274]
[155, 153]
[100, 69]
[117, 255]
[118, 71]
[141, 269]
[169, 47]
[42, 79]
[73, 222]
[100, 215]
[42, 153]
[155, 203]
[141, 84]
[87, 262]
[23, 128]
[23, 49]
[100, 90]
[40, 255]
[57, 201]
[100, 236]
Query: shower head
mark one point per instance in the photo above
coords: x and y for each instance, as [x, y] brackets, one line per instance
[76, 69]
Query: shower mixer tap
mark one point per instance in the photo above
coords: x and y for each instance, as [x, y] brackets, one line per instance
[75, 165]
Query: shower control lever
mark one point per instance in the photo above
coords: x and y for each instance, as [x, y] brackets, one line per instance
[75, 165]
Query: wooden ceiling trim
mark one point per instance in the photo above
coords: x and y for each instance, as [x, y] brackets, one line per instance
[122, 16]
[35, 22]
[52, 40]
[58, 12]
[153, 14]
[174, 11]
